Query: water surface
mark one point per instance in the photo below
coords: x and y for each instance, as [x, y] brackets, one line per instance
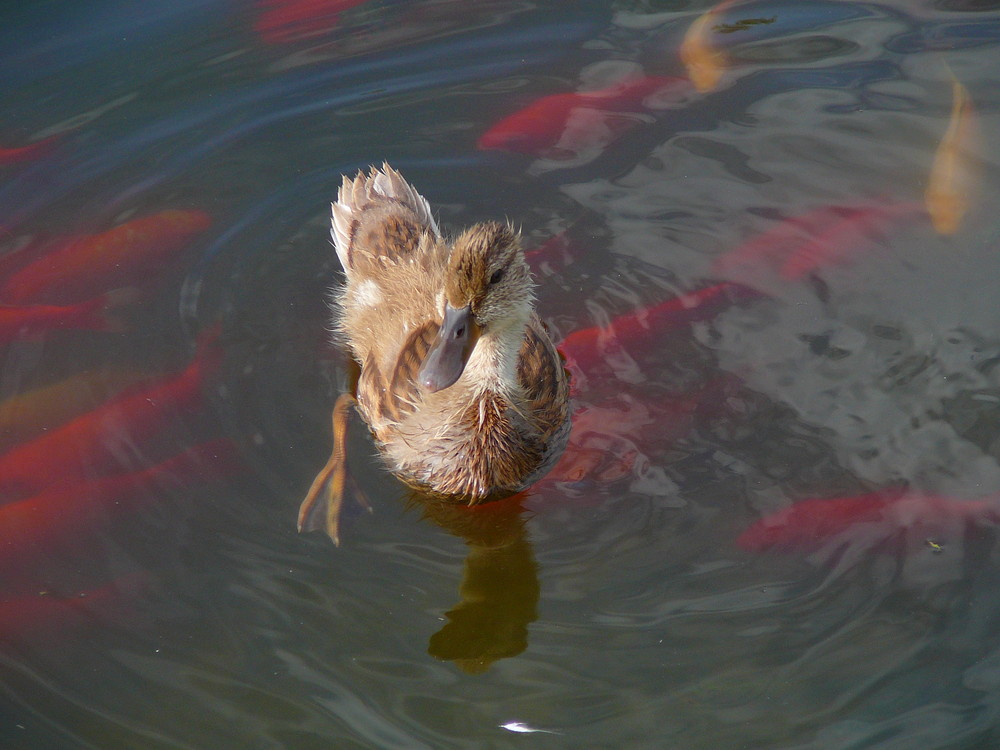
[610, 605]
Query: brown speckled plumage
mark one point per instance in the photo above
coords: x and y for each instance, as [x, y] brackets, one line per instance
[505, 419]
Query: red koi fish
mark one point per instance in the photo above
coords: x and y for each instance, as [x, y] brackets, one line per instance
[808, 524]
[42, 614]
[93, 443]
[605, 439]
[585, 348]
[31, 151]
[127, 255]
[31, 321]
[825, 236]
[65, 511]
[602, 442]
[25, 415]
[565, 125]
[283, 21]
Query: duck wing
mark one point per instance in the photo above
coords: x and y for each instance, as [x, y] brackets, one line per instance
[542, 376]
[379, 218]
[389, 399]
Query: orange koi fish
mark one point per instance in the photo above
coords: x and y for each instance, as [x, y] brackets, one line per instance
[93, 443]
[704, 63]
[127, 255]
[602, 442]
[584, 348]
[19, 154]
[825, 236]
[26, 415]
[808, 524]
[98, 314]
[62, 513]
[949, 185]
[283, 21]
[564, 125]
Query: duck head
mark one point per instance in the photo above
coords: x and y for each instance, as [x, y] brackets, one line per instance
[488, 291]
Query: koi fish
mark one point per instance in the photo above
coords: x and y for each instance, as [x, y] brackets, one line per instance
[93, 443]
[123, 256]
[565, 125]
[40, 614]
[585, 348]
[949, 186]
[19, 154]
[283, 21]
[824, 236]
[605, 437]
[98, 314]
[65, 511]
[841, 239]
[810, 523]
[704, 62]
[602, 443]
[28, 414]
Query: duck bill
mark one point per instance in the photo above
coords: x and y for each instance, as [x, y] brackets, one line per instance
[445, 360]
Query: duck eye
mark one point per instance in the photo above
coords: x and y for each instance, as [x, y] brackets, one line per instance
[497, 275]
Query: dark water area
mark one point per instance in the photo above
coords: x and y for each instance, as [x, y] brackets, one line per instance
[159, 430]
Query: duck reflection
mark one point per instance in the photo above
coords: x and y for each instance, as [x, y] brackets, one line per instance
[499, 590]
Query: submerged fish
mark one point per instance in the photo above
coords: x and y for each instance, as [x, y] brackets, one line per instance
[68, 510]
[808, 524]
[18, 154]
[565, 125]
[95, 442]
[602, 445]
[42, 614]
[284, 21]
[608, 438]
[98, 314]
[842, 238]
[584, 348]
[949, 185]
[127, 255]
[826, 236]
[25, 415]
[705, 64]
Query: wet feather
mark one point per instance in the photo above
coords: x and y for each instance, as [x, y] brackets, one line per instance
[506, 417]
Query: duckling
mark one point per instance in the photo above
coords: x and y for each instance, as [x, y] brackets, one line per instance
[460, 384]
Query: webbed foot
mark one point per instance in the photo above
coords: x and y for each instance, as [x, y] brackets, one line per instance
[321, 510]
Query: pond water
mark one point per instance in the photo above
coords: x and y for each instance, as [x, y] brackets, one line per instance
[171, 165]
